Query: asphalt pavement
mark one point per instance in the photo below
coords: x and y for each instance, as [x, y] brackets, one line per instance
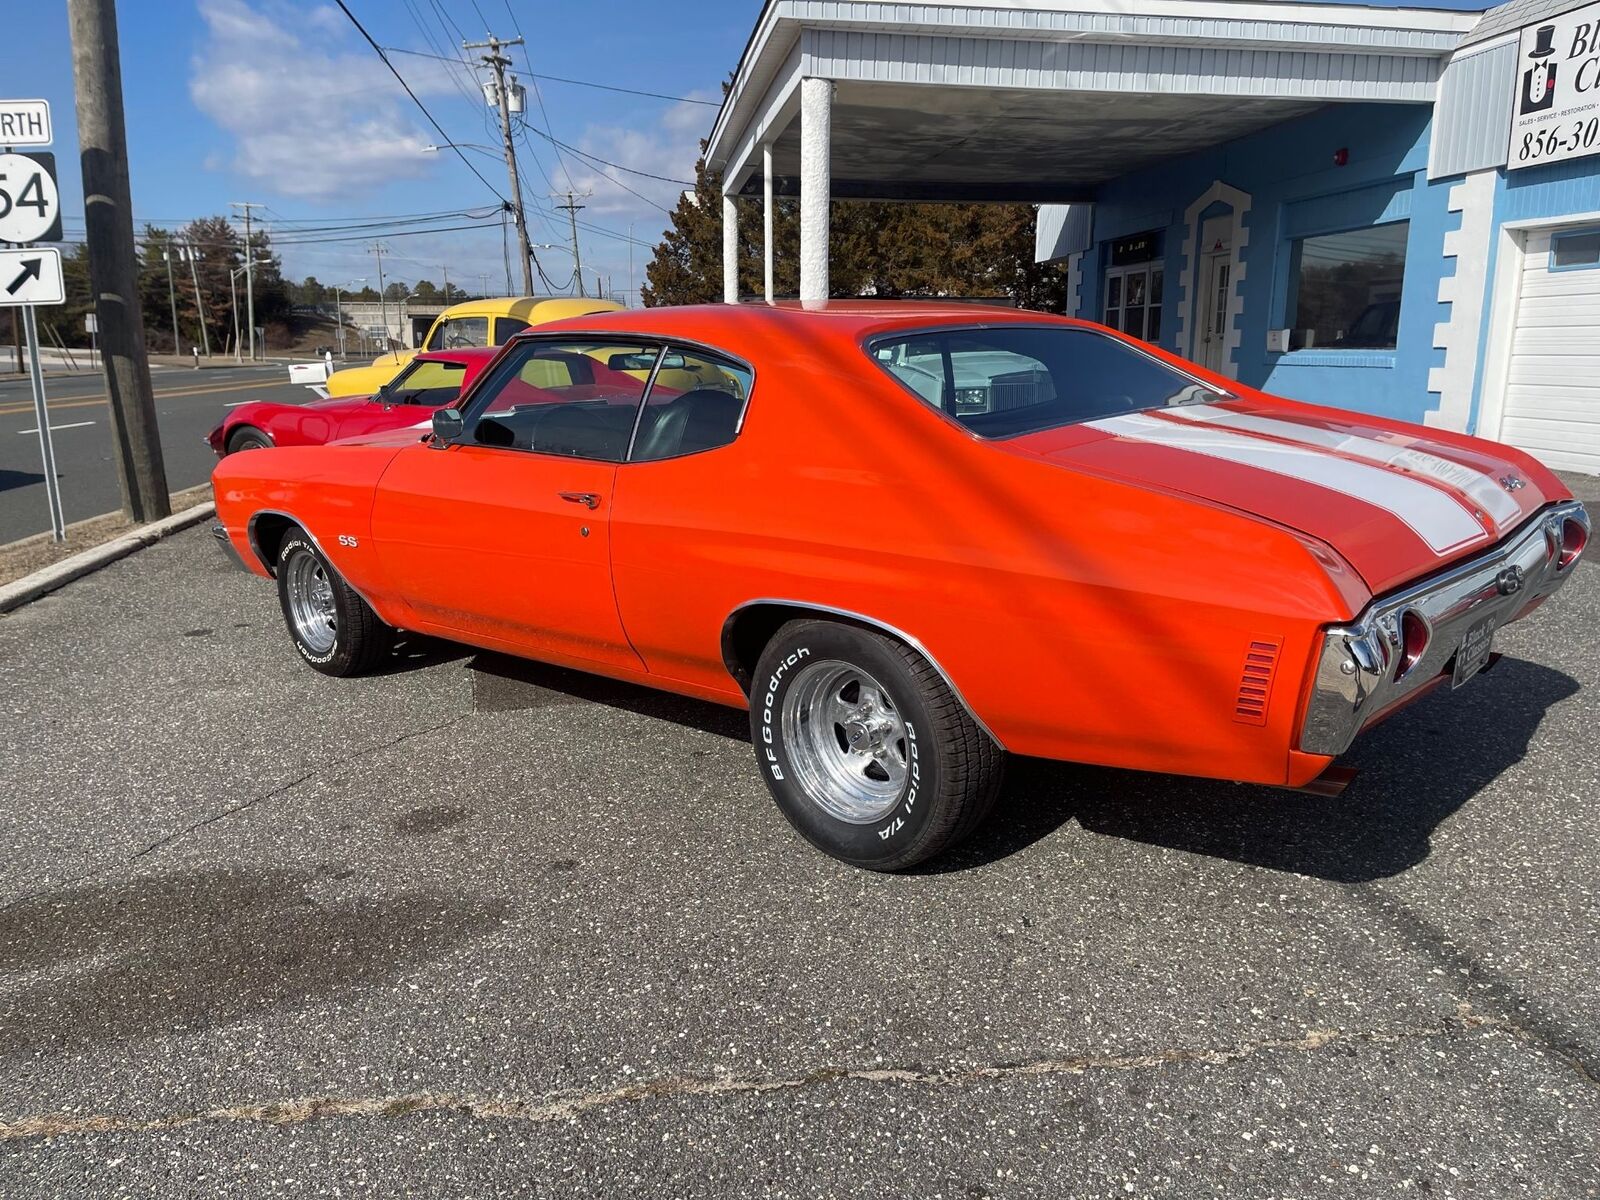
[473, 927]
[189, 404]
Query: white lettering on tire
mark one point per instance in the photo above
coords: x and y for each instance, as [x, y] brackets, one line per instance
[769, 704]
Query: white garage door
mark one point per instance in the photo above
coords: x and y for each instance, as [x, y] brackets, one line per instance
[1552, 404]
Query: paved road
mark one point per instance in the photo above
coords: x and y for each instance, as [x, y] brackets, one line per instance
[189, 403]
[478, 928]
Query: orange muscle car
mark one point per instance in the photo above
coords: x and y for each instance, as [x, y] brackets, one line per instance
[914, 537]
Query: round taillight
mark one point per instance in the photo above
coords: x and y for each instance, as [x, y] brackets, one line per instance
[1574, 537]
[1414, 638]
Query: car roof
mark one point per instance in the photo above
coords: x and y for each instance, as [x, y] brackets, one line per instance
[847, 319]
[533, 309]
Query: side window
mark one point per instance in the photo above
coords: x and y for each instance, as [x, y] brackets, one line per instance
[696, 404]
[560, 397]
[507, 327]
[427, 382]
[459, 332]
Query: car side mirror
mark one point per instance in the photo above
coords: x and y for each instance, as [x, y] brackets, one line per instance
[447, 426]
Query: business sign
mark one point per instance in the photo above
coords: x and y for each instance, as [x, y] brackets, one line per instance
[30, 202]
[31, 276]
[25, 123]
[1556, 113]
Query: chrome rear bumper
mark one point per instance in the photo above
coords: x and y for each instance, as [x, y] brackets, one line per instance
[1364, 671]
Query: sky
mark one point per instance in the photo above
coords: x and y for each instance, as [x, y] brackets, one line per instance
[282, 102]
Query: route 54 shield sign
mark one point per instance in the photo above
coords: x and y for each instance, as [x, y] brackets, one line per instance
[30, 204]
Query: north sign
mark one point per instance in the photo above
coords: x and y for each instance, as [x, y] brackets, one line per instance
[25, 123]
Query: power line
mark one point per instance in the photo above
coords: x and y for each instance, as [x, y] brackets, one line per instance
[588, 83]
[537, 94]
[423, 108]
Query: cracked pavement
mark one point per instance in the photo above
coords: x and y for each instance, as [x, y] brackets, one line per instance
[478, 927]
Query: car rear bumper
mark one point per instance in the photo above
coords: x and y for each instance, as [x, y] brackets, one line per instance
[1367, 669]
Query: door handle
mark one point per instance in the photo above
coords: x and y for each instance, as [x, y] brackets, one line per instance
[587, 499]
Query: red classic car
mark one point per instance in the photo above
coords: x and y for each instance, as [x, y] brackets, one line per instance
[429, 381]
[911, 538]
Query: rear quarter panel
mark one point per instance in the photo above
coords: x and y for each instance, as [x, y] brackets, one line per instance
[1080, 617]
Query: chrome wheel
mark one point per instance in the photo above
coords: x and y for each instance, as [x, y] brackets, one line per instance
[846, 741]
[311, 605]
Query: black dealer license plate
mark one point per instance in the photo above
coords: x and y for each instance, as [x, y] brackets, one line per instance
[1473, 652]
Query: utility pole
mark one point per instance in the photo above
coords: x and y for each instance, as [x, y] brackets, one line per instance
[172, 298]
[113, 264]
[383, 301]
[572, 207]
[249, 272]
[498, 63]
[193, 255]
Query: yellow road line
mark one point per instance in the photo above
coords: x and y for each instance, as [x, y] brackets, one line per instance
[9, 410]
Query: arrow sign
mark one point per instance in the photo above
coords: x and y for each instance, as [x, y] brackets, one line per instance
[30, 270]
[31, 276]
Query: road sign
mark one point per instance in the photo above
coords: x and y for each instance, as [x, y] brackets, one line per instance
[30, 203]
[25, 123]
[31, 276]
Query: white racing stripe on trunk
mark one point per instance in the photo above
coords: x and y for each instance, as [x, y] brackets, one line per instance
[1485, 492]
[1435, 518]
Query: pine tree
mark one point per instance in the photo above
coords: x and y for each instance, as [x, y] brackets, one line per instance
[876, 249]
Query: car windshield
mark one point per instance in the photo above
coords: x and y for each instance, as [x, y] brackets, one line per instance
[1004, 381]
[426, 382]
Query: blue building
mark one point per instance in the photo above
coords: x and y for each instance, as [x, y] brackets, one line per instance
[1391, 210]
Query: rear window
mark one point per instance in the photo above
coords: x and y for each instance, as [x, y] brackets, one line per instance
[1006, 381]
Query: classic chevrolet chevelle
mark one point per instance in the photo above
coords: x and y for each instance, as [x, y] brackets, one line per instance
[911, 538]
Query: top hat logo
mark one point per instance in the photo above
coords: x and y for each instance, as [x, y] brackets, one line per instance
[1539, 80]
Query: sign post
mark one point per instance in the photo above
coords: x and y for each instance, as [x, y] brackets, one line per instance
[47, 449]
[30, 211]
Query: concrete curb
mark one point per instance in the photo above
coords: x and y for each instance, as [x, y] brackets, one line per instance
[58, 575]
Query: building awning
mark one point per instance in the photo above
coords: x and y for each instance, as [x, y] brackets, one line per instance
[994, 100]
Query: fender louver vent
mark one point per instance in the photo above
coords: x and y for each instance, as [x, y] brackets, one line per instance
[1255, 682]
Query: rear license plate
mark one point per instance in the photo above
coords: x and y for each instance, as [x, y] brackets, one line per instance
[1473, 652]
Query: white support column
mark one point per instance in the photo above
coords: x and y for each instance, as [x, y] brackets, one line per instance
[766, 217]
[816, 138]
[730, 251]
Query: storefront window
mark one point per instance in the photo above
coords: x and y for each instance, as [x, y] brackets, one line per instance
[1346, 289]
[1133, 300]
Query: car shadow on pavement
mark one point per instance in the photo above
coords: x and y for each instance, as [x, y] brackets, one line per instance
[1416, 769]
[502, 683]
[109, 963]
[414, 650]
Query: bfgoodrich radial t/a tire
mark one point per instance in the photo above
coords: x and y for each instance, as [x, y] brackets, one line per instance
[865, 748]
[333, 628]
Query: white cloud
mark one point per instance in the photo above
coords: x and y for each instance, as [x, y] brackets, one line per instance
[308, 122]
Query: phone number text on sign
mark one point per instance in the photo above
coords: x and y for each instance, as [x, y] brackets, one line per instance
[1565, 142]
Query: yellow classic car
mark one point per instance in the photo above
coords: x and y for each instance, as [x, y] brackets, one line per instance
[472, 323]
